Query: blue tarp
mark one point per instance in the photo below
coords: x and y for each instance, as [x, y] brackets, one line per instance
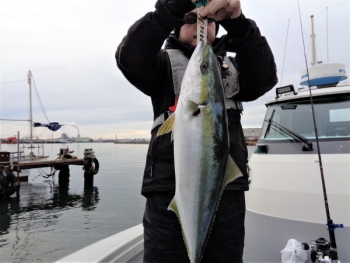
[53, 126]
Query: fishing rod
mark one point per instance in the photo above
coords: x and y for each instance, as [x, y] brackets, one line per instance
[333, 253]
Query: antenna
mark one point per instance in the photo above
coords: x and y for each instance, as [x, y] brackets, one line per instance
[327, 34]
[331, 226]
[284, 56]
[29, 76]
[313, 43]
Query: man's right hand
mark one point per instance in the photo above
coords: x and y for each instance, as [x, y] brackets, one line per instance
[221, 9]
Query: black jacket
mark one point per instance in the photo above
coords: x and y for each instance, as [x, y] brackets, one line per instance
[146, 65]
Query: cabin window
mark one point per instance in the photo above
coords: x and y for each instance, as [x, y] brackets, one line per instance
[332, 118]
[339, 115]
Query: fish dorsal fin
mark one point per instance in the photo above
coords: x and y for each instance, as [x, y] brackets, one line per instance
[232, 171]
[167, 126]
[173, 207]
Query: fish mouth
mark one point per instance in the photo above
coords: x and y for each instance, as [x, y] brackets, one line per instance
[198, 52]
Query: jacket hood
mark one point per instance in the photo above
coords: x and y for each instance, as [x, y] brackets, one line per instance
[174, 43]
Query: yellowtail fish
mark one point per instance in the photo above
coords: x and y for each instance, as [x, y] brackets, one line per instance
[203, 166]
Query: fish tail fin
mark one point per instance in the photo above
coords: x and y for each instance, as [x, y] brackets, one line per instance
[167, 126]
[173, 207]
[232, 171]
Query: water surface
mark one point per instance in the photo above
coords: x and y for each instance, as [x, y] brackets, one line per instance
[49, 222]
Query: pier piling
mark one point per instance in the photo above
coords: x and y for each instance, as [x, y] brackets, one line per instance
[63, 175]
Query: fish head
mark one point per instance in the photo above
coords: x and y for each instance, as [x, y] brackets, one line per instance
[202, 82]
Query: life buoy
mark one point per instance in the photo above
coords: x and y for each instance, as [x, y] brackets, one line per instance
[11, 181]
[91, 165]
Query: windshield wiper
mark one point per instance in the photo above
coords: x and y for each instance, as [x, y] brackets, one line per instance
[307, 145]
[269, 126]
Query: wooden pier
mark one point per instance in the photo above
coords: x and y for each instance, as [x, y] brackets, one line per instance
[40, 164]
[9, 183]
[250, 143]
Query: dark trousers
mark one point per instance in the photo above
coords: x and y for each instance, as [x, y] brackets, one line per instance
[163, 237]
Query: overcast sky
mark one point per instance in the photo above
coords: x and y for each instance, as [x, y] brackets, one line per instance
[69, 47]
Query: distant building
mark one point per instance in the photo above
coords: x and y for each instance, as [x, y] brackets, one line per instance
[83, 139]
[132, 141]
[252, 133]
[64, 136]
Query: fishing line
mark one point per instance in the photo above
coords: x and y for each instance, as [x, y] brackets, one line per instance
[330, 224]
[284, 56]
[308, 49]
[319, 50]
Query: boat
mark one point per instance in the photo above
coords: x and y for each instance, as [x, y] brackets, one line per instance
[60, 140]
[286, 193]
[299, 183]
[126, 246]
[286, 202]
[9, 140]
[30, 142]
[63, 139]
[19, 157]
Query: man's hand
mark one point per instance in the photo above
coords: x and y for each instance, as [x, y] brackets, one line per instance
[222, 9]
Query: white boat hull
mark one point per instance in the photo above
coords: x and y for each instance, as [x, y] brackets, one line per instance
[119, 248]
[286, 201]
[290, 187]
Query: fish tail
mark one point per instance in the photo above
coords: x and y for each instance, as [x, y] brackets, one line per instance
[173, 207]
[232, 172]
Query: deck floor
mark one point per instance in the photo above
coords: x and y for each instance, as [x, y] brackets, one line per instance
[137, 259]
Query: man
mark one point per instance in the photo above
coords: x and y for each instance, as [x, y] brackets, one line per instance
[158, 73]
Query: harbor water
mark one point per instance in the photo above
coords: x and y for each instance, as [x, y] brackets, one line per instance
[48, 222]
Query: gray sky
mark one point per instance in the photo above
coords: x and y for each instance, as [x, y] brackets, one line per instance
[69, 46]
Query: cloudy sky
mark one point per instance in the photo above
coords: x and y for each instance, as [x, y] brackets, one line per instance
[69, 47]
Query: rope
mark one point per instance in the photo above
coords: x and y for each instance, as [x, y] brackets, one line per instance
[52, 174]
[39, 100]
[12, 81]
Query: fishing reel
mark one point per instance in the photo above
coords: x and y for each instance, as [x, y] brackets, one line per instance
[322, 252]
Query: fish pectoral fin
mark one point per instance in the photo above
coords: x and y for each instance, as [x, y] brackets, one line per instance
[167, 126]
[192, 107]
[232, 171]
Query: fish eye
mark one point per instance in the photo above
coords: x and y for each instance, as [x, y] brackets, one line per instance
[204, 66]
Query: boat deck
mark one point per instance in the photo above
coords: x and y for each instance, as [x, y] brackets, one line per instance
[137, 259]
